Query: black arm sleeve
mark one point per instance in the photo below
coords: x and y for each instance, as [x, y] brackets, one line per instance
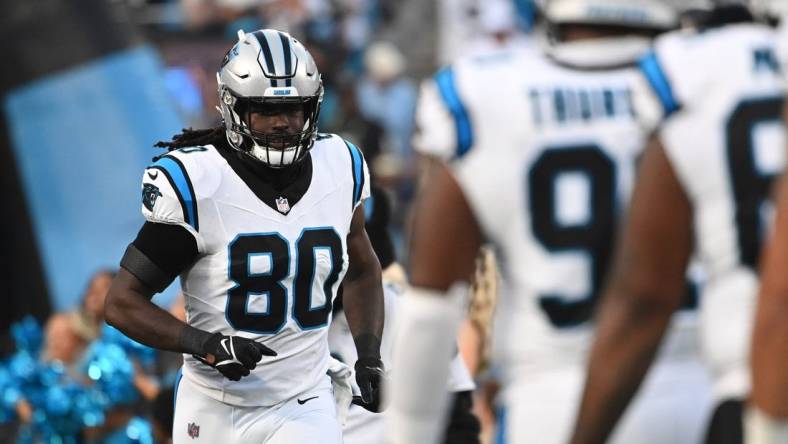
[159, 254]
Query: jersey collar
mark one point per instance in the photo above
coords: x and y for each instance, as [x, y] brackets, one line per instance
[279, 189]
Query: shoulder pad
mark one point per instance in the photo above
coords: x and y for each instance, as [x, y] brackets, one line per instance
[176, 182]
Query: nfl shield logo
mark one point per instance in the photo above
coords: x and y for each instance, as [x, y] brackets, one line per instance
[193, 430]
[282, 205]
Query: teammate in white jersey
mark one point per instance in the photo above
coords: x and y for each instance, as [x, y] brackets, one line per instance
[704, 182]
[767, 418]
[766, 421]
[541, 150]
[362, 426]
[262, 218]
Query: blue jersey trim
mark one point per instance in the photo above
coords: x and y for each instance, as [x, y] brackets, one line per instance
[176, 172]
[500, 434]
[358, 171]
[656, 77]
[448, 90]
[178, 378]
[368, 208]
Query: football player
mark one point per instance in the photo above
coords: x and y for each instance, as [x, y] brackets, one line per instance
[704, 182]
[262, 218]
[541, 148]
[363, 426]
[767, 416]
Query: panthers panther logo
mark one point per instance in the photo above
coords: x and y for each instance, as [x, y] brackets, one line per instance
[150, 193]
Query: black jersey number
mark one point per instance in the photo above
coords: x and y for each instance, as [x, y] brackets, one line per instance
[592, 237]
[750, 185]
[270, 284]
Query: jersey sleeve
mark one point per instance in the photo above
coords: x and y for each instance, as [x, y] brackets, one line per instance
[168, 196]
[443, 125]
[669, 81]
[360, 175]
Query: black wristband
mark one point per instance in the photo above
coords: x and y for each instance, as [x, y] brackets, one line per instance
[192, 340]
[368, 361]
[367, 346]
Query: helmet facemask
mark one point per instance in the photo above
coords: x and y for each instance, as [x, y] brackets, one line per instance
[275, 149]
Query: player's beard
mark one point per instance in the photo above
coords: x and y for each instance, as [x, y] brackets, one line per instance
[281, 141]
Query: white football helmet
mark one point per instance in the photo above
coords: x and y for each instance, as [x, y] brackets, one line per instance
[269, 67]
[639, 14]
[651, 16]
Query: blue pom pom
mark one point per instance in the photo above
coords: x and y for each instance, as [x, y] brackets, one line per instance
[139, 431]
[23, 366]
[28, 335]
[58, 403]
[109, 367]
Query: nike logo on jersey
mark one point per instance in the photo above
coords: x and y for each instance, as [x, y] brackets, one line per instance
[304, 401]
[153, 174]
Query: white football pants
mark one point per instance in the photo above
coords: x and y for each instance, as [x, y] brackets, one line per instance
[307, 418]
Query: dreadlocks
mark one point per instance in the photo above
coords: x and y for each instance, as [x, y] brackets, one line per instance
[189, 137]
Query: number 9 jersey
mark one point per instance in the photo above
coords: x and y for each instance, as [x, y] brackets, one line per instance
[721, 97]
[269, 264]
[545, 156]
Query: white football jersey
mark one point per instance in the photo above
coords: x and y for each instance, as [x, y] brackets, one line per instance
[545, 156]
[722, 93]
[266, 272]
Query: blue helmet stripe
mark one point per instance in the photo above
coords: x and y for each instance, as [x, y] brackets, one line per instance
[269, 59]
[448, 90]
[656, 77]
[176, 174]
[288, 61]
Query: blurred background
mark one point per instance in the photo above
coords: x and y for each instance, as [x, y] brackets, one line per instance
[87, 88]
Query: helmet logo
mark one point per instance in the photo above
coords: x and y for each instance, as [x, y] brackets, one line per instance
[227, 97]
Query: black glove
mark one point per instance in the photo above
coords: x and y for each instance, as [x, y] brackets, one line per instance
[233, 356]
[370, 376]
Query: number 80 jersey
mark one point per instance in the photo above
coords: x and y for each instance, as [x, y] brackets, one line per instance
[268, 266]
